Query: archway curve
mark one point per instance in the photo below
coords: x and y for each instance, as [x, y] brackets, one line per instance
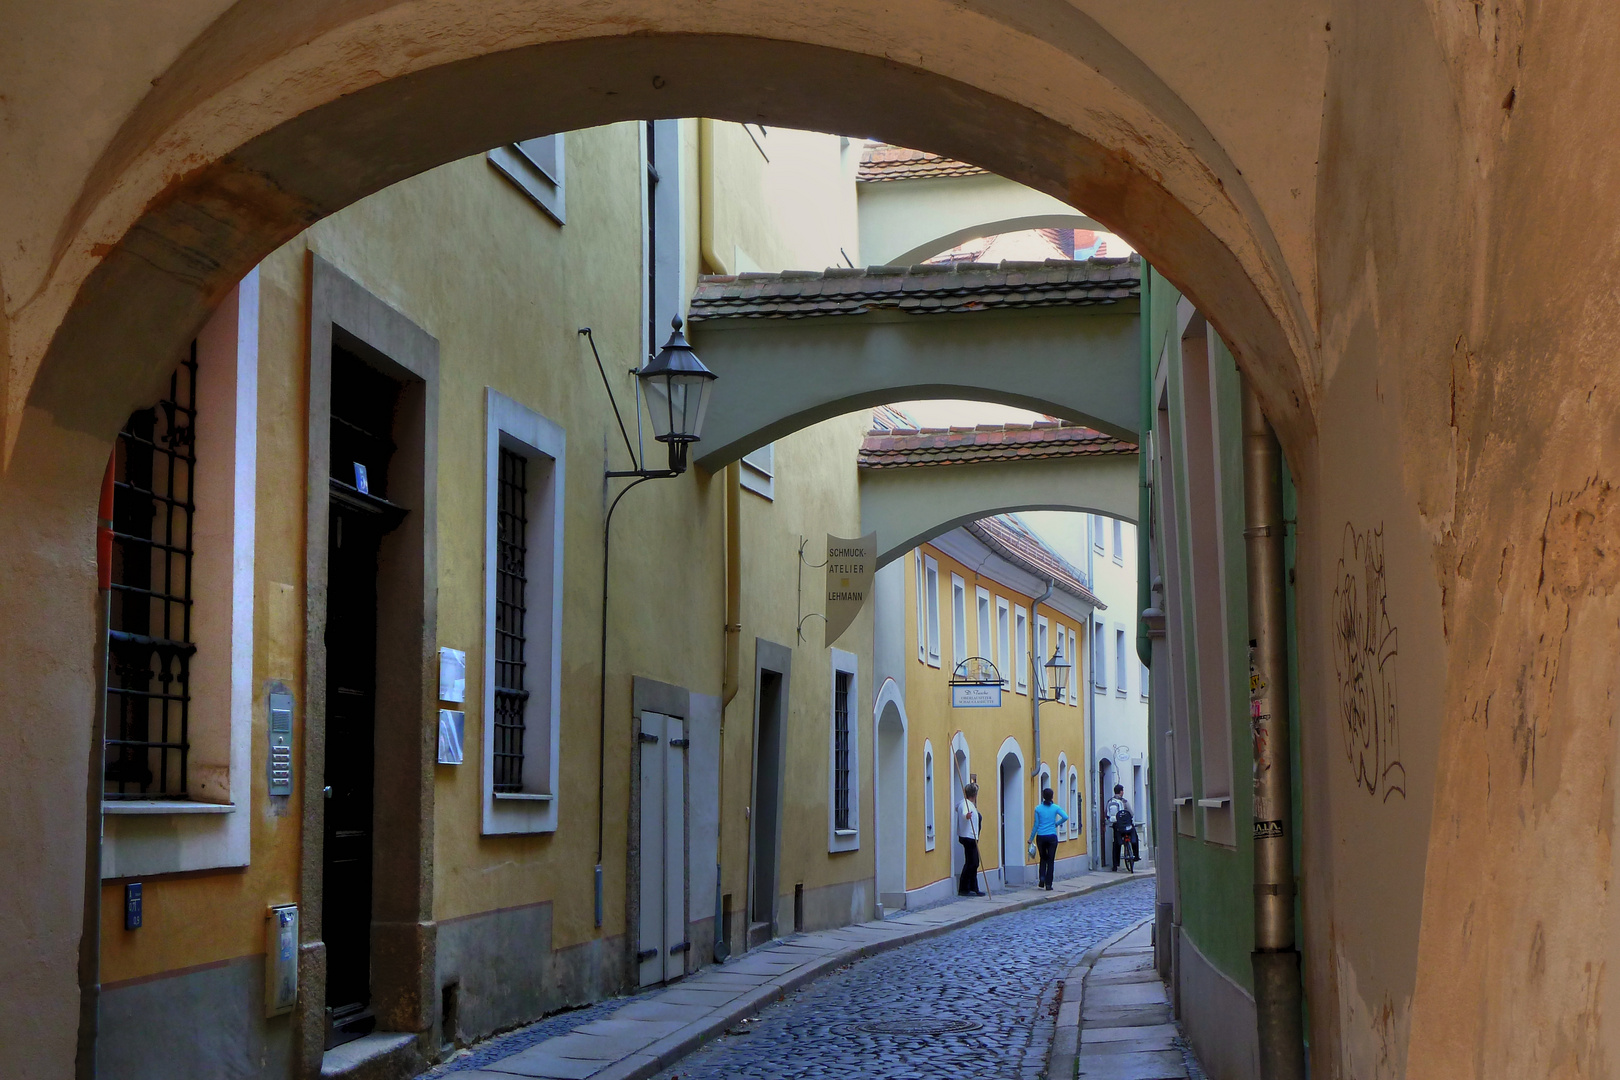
[946, 241]
[263, 126]
[887, 553]
[890, 765]
[717, 455]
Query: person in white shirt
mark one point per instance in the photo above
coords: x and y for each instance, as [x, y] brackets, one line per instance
[1119, 826]
[968, 823]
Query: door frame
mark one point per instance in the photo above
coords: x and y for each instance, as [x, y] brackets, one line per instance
[404, 934]
[1004, 791]
[777, 660]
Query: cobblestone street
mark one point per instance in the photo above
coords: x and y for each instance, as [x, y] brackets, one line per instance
[993, 982]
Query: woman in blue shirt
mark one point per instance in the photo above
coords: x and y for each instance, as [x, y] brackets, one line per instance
[1048, 816]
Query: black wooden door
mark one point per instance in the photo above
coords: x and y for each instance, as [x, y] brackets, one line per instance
[351, 676]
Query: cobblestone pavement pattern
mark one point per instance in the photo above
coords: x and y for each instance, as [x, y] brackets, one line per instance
[1000, 974]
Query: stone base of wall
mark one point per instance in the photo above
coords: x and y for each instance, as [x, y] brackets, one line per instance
[1217, 1014]
[506, 974]
[206, 1021]
[832, 905]
[943, 889]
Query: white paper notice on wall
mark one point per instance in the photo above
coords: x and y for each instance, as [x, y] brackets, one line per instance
[452, 728]
[452, 675]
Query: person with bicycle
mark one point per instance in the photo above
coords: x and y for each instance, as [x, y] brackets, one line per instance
[1122, 823]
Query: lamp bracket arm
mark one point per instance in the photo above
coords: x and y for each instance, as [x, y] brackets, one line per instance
[585, 332]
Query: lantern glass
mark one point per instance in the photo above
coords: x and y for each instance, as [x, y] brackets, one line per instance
[676, 386]
[1057, 673]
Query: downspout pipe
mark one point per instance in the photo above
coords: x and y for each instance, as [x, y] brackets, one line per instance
[1036, 660]
[1277, 989]
[730, 678]
[1144, 467]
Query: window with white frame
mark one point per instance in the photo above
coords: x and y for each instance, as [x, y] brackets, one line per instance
[1074, 675]
[959, 646]
[986, 646]
[1041, 655]
[1003, 638]
[1119, 541]
[538, 167]
[1099, 657]
[928, 795]
[1095, 524]
[181, 694]
[1060, 791]
[931, 601]
[523, 565]
[1020, 650]
[843, 748]
[1119, 660]
[922, 606]
[1074, 801]
[1142, 675]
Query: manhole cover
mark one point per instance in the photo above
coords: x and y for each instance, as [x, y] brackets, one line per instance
[915, 1025]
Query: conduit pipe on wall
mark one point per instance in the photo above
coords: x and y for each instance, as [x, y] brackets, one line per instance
[1277, 992]
[1036, 660]
[730, 677]
[90, 934]
[1144, 443]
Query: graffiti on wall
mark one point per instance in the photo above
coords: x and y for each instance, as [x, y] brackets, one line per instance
[1365, 646]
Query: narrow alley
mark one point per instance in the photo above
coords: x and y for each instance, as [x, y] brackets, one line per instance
[980, 995]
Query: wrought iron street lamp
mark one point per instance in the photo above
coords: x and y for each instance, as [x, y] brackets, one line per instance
[1057, 673]
[676, 387]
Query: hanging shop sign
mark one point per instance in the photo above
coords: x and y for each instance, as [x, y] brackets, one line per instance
[976, 684]
[851, 565]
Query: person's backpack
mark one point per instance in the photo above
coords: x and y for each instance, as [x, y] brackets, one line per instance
[1123, 819]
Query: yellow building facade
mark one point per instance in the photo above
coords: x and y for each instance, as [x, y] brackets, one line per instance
[411, 804]
[989, 591]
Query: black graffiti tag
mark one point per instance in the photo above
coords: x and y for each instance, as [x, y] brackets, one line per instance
[1364, 651]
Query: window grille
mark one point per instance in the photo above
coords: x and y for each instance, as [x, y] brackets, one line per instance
[511, 583]
[149, 645]
[841, 750]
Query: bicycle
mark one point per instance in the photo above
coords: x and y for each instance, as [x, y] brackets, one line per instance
[1128, 851]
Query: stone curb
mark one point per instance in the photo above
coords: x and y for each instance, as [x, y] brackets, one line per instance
[1064, 1064]
[667, 1051]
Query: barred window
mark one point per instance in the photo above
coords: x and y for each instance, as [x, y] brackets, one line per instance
[841, 815]
[511, 583]
[149, 646]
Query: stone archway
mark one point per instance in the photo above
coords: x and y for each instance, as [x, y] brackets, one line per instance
[250, 127]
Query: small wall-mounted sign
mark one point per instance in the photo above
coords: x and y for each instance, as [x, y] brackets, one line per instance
[361, 481]
[452, 675]
[452, 729]
[132, 905]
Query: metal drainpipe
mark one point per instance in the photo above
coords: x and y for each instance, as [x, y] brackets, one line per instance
[1277, 991]
[1035, 684]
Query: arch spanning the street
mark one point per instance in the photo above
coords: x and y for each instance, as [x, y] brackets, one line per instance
[908, 221]
[908, 507]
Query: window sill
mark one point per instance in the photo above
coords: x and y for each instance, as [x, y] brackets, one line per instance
[522, 796]
[845, 834]
[165, 806]
[1215, 804]
[1184, 800]
[1120, 693]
